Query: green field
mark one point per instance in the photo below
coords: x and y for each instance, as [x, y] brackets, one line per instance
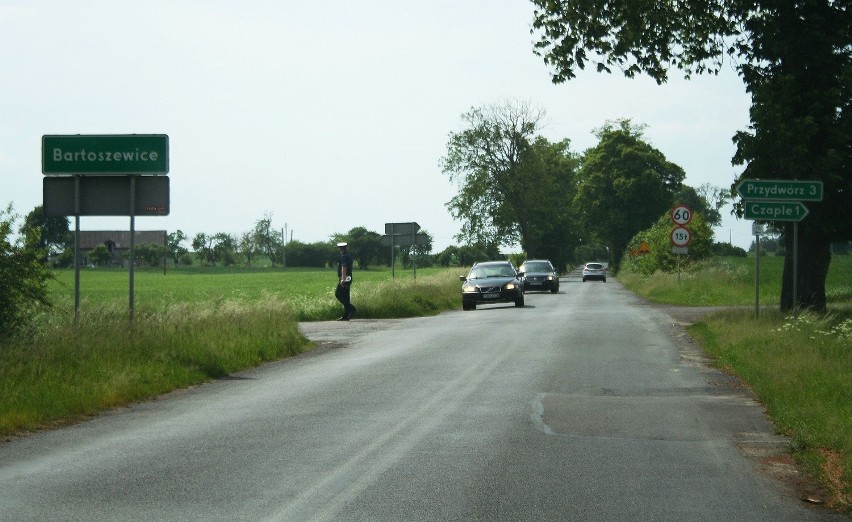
[730, 281]
[308, 292]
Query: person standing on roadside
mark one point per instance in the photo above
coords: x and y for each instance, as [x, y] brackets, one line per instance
[344, 282]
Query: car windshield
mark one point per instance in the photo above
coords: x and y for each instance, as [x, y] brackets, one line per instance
[539, 266]
[594, 266]
[481, 272]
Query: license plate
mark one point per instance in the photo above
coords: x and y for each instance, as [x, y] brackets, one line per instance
[535, 283]
[490, 296]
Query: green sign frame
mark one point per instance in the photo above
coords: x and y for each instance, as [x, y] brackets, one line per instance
[112, 154]
[793, 211]
[780, 190]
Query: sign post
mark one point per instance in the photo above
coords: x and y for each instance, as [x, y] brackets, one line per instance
[408, 236]
[779, 200]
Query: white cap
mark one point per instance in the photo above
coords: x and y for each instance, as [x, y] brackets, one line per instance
[342, 244]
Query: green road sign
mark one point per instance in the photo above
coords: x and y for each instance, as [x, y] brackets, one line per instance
[105, 154]
[780, 190]
[775, 210]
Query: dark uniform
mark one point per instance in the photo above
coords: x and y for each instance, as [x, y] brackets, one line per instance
[344, 282]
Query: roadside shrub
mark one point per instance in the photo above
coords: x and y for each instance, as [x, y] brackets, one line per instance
[23, 276]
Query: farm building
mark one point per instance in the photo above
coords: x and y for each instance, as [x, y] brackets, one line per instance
[117, 243]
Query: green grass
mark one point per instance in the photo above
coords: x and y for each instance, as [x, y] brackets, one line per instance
[188, 328]
[800, 368]
[309, 292]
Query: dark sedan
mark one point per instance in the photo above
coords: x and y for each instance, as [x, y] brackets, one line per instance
[492, 282]
[539, 275]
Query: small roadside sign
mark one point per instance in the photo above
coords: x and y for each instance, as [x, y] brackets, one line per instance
[681, 215]
[680, 236]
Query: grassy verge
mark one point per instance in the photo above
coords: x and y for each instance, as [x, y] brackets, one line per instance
[188, 329]
[800, 369]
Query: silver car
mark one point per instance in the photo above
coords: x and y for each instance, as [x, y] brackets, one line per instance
[594, 271]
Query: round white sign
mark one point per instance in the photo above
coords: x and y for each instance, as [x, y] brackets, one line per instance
[680, 236]
[681, 215]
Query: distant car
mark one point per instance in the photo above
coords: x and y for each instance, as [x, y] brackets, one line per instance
[539, 275]
[492, 282]
[594, 271]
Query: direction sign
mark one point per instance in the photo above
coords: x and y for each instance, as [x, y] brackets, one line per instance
[680, 236]
[681, 215]
[402, 229]
[780, 190]
[105, 154]
[405, 240]
[775, 210]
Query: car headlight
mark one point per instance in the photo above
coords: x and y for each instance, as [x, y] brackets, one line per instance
[468, 288]
[510, 286]
[550, 278]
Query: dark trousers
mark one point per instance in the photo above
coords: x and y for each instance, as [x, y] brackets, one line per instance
[342, 295]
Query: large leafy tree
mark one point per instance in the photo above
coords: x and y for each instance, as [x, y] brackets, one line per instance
[514, 186]
[625, 184]
[548, 184]
[794, 57]
[484, 159]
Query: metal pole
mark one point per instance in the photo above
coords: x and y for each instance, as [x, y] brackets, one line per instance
[414, 250]
[393, 263]
[132, 239]
[795, 269]
[76, 247]
[757, 279]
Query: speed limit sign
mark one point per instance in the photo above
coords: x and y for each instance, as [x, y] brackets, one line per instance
[680, 236]
[681, 215]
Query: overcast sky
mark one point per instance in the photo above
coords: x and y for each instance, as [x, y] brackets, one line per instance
[326, 115]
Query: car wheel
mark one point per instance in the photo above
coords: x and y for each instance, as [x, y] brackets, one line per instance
[468, 306]
[604, 280]
[554, 290]
[519, 302]
[584, 279]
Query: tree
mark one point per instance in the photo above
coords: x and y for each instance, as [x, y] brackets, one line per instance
[202, 244]
[660, 255]
[707, 200]
[366, 246]
[309, 255]
[624, 186]
[100, 255]
[53, 233]
[174, 247]
[23, 276]
[484, 159]
[267, 240]
[794, 58]
[546, 188]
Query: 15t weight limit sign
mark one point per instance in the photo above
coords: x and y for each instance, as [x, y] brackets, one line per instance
[680, 236]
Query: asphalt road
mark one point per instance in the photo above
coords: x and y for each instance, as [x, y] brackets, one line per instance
[583, 405]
